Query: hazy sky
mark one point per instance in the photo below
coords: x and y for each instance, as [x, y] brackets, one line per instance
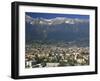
[51, 15]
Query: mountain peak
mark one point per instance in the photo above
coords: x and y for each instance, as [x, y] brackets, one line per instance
[54, 21]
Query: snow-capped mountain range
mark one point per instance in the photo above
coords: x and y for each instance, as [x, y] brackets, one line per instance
[58, 28]
[54, 21]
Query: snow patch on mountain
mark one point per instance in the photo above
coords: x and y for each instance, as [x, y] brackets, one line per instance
[54, 21]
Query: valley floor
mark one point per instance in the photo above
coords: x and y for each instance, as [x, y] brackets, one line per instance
[43, 55]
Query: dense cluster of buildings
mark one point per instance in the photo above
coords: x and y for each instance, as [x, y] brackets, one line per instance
[54, 56]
